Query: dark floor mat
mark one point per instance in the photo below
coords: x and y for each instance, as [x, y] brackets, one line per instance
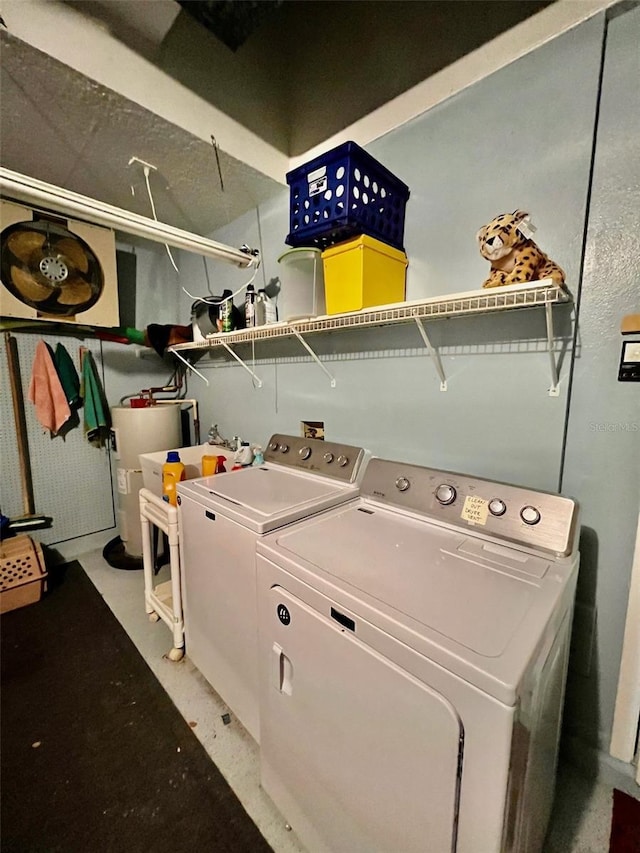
[95, 756]
[625, 824]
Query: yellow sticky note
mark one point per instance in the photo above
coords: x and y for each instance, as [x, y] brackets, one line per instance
[475, 510]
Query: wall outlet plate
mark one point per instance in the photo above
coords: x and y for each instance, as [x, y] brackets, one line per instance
[312, 429]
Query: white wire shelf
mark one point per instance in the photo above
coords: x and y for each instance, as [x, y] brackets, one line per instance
[544, 293]
[529, 295]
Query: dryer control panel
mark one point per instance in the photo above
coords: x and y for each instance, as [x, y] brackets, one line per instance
[340, 461]
[535, 519]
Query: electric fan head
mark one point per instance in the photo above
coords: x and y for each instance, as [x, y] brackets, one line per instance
[49, 268]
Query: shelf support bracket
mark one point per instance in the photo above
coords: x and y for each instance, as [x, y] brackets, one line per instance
[314, 356]
[191, 367]
[258, 381]
[433, 352]
[554, 391]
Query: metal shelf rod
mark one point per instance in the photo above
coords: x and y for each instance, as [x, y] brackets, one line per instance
[191, 367]
[242, 363]
[314, 356]
[433, 352]
[554, 391]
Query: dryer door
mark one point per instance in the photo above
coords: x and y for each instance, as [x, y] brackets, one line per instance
[358, 755]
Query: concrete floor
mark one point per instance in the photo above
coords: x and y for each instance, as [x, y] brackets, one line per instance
[582, 814]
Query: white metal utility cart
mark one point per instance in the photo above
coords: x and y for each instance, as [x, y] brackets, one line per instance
[163, 601]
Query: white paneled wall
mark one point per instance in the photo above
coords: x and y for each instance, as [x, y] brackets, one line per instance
[71, 478]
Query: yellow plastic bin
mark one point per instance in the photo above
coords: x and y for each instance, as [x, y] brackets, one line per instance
[361, 273]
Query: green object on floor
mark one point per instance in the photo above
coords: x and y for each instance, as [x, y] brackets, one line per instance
[97, 420]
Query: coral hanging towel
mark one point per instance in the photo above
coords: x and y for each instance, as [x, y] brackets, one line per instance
[46, 391]
[96, 411]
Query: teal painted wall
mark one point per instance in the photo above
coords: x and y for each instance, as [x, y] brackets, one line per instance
[602, 463]
[523, 137]
[520, 138]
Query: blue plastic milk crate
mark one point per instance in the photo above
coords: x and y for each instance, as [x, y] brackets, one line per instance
[344, 193]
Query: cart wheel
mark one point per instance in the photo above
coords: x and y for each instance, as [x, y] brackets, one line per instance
[176, 654]
[153, 617]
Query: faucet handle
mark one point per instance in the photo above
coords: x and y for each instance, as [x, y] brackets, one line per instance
[215, 438]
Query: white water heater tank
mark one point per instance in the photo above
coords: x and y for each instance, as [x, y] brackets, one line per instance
[135, 431]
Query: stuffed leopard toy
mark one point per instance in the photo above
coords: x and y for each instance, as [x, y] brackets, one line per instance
[515, 258]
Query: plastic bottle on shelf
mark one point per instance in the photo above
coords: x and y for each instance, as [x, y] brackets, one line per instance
[270, 310]
[261, 313]
[172, 474]
[250, 306]
[225, 312]
[258, 455]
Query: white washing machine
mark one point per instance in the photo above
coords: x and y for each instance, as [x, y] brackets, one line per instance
[220, 519]
[413, 650]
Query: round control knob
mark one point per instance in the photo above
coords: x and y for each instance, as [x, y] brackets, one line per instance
[402, 484]
[273, 445]
[304, 452]
[284, 448]
[328, 457]
[446, 494]
[342, 461]
[530, 515]
[497, 507]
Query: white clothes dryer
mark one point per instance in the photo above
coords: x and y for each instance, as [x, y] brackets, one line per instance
[220, 519]
[413, 650]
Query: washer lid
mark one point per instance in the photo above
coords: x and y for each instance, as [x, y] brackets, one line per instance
[266, 497]
[478, 612]
[421, 571]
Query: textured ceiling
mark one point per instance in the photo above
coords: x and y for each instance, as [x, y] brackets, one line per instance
[309, 68]
[302, 73]
[296, 72]
[60, 127]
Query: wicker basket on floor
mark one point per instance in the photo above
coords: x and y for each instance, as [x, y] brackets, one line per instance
[23, 574]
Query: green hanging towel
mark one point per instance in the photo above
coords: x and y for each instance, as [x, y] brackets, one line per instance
[68, 374]
[97, 420]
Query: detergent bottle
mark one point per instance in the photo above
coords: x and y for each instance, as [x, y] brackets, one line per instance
[209, 464]
[172, 474]
[213, 465]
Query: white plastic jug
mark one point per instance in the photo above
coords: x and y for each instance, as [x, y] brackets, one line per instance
[301, 284]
